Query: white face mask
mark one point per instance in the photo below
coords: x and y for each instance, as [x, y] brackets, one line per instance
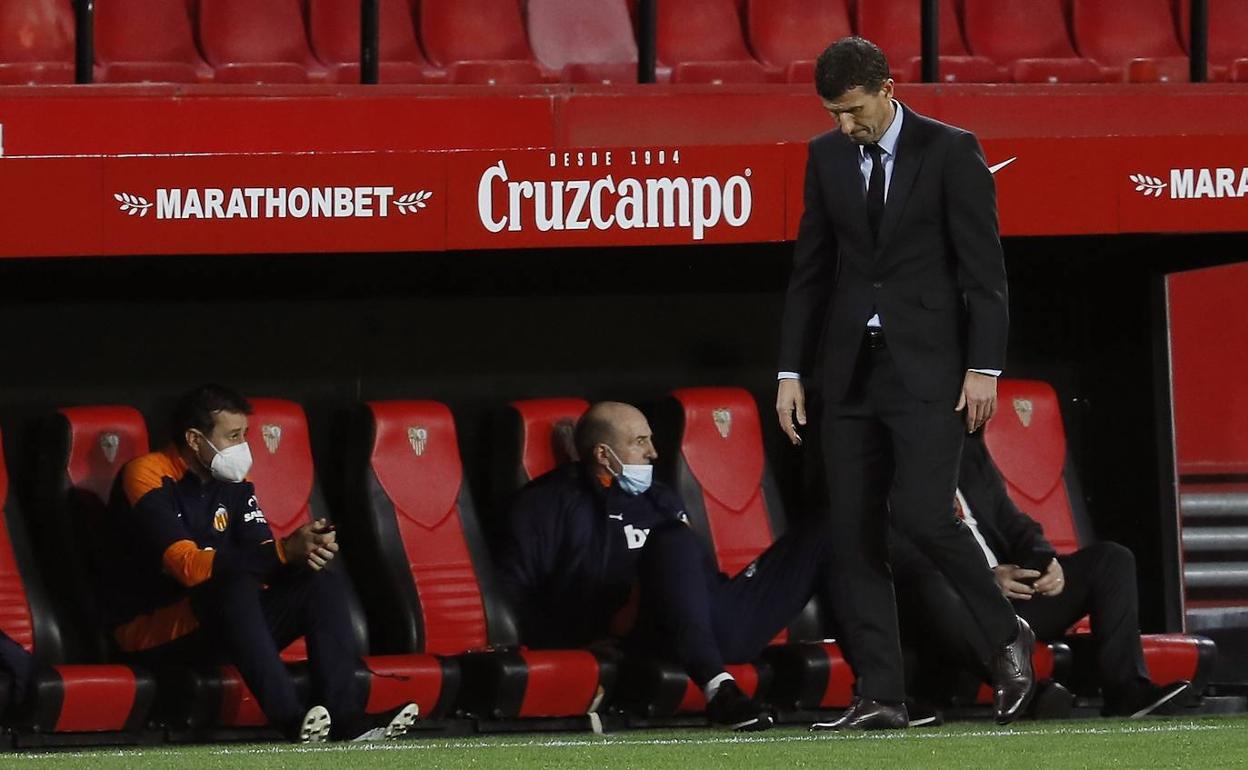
[633, 479]
[231, 463]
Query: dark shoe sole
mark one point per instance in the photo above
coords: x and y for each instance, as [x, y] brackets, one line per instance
[1170, 694]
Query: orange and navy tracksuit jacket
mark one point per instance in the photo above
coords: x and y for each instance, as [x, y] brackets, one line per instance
[174, 532]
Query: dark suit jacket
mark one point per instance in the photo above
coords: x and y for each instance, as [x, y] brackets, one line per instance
[1013, 536]
[936, 274]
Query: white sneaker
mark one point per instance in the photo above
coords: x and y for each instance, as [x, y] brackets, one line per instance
[315, 725]
[399, 725]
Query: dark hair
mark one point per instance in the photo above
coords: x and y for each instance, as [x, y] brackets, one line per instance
[196, 408]
[848, 63]
[591, 430]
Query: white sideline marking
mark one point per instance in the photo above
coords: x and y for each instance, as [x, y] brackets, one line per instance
[608, 741]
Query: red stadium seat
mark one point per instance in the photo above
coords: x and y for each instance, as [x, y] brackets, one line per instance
[250, 42]
[146, 41]
[723, 478]
[586, 41]
[1133, 40]
[1029, 38]
[36, 42]
[65, 697]
[1027, 442]
[334, 27]
[479, 41]
[1228, 35]
[431, 587]
[895, 26]
[283, 474]
[708, 33]
[787, 35]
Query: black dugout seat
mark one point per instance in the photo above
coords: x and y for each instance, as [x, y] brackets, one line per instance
[429, 580]
[1027, 442]
[81, 702]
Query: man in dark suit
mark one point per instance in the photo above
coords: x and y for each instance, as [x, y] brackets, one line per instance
[897, 309]
[1051, 592]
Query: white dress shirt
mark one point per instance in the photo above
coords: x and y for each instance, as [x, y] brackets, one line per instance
[968, 517]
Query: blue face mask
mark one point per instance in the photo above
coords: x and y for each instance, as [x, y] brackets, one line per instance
[633, 479]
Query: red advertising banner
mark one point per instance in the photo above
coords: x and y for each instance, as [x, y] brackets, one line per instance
[619, 196]
[221, 204]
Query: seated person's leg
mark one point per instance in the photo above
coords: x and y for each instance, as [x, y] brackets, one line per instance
[233, 622]
[19, 665]
[314, 604]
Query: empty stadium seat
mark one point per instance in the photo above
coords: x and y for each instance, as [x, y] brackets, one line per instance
[479, 41]
[1029, 38]
[586, 41]
[36, 42]
[701, 41]
[146, 41]
[787, 35]
[334, 29]
[1228, 36]
[1133, 40]
[895, 26]
[285, 481]
[430, 584]
[250, 42]
[65, 697]
[1027, 442]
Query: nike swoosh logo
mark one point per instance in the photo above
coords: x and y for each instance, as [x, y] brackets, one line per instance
[1001, 165]
[616, 516]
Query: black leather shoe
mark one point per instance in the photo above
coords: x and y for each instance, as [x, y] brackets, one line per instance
[1013, 679]
[867, 714]
[1145, 699]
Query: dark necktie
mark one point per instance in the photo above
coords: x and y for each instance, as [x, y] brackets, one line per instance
[875, 189]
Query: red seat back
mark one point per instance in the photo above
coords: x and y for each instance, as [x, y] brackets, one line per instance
[545, 427]
[36, 41]
[1113, 32]
[15, 615]
[564, 32]
[473, 30]
[1027, 443]
[700, 30]
[784, 31]
[1008, 30]
[416, 496]
[334, 27]
[722, 468]
[248, 32]
[1228, 29]
[100, 440]
[145, 31]
[281, 469]
[894, 25]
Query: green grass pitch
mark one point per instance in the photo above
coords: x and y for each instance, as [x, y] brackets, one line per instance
[1215, 742]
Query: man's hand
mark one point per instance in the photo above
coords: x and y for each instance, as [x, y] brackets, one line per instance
[314, 544]
[1052, 581]
[790, 403]
[979, 399]
[1010, 579]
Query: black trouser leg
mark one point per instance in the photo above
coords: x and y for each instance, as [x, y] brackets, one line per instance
[19, 664]
[313, 604]
[756, 604]
[233, 618]
[1100, 582]
[675, 618]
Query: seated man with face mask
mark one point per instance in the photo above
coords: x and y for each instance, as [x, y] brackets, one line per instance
[195, 576]
[597, 550]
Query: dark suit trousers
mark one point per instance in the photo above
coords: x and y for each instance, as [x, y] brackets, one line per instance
[887, 452]
[1100, 582]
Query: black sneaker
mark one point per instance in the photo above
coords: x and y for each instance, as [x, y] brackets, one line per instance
[1144, 700]
[734, 710]
[922, 714]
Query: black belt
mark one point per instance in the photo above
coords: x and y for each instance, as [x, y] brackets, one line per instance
[874, 338]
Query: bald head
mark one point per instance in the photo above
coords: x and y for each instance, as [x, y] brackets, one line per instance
[617, 425]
